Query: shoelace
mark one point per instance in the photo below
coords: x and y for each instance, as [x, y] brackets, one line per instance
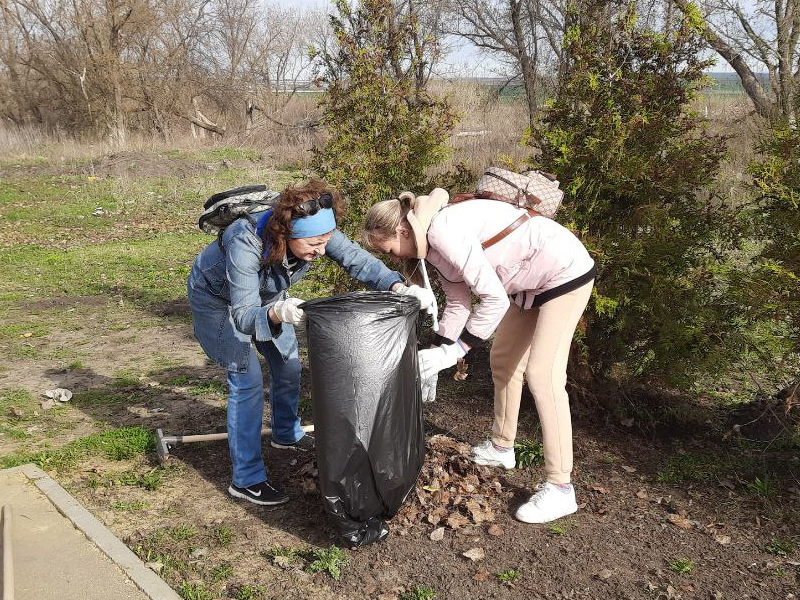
[541, 487]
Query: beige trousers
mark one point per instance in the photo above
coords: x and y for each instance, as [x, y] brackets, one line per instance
[535, 343]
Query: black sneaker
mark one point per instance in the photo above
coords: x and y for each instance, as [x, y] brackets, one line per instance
[304, 444]
[265, 493]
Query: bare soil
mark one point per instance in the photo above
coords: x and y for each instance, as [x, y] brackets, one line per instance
[627, 540]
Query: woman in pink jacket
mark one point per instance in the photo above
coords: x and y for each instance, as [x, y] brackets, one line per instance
[533, 281]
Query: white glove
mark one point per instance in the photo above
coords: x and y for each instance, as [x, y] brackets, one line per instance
[429, 388]
[289, 311]
[425, 296]
[433, 360]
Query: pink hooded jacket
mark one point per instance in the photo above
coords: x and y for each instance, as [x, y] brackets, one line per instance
[538, 256]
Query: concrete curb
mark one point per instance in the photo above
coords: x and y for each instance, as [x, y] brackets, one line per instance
[145, 579]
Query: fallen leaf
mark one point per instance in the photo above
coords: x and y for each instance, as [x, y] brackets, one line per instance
[599, 488]
[680, 521]
[437, 535]
[457, 520]
[626, 422]
[628, 469]
[481, 576]
[642, 494]
[722, 539]
[496, 530]
[475, 554]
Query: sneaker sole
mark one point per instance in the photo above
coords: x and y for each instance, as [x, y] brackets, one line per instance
[237, 494]
[294, 447]
[518, 518]
[492, 463]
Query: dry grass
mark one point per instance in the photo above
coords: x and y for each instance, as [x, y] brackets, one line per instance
[488, 132]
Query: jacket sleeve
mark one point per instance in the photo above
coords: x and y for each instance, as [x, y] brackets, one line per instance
[360, 264]
[242, 265]
[456, 310]
[468, 258]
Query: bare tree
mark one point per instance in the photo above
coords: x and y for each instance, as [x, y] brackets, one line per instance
[754, 38]
[525, 35]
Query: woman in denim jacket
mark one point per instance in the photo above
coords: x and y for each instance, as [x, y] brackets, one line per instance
[237, 294]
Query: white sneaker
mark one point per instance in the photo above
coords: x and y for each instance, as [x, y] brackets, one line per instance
[548, 504]
[485, 454]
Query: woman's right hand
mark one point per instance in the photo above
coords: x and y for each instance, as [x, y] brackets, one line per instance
[287, 311]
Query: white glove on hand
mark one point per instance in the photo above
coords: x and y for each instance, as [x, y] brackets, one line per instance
[289, 311]
[425, 296]
[433, 360]
[429, 388]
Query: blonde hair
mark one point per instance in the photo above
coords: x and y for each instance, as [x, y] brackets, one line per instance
[380, 224]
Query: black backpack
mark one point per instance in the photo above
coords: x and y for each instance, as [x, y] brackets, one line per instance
[224, 208]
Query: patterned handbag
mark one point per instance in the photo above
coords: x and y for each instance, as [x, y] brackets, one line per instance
[534, 190]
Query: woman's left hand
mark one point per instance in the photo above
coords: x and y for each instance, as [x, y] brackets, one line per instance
[433, 360]
[425, 296]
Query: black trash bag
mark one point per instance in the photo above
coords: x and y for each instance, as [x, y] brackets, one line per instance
[362, 349]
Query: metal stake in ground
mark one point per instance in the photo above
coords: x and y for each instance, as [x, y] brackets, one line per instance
[163, 442]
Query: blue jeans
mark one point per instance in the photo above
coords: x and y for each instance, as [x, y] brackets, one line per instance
[246, 410]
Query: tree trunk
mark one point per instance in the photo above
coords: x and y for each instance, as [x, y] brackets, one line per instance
[527, 67]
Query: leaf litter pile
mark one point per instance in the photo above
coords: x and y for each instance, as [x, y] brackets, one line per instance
[452, 492]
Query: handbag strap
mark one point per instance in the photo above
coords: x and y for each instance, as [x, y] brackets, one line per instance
[502, 234]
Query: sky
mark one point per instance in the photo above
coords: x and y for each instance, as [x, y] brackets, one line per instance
[465, 60]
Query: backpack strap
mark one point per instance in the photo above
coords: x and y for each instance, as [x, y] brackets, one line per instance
[222, 231]
[505, 232]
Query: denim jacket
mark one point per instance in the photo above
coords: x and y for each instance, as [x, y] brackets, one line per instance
[230, 293]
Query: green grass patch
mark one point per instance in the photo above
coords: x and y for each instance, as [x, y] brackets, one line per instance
[97, 398]
[508, 577]
[12, 432]
[681, 565]
[250, 592]
[150, 480]
[224, 535]
[529, 454]
[330, 561]
[221, 572]
[779, 547]
[689, 468]
[149, 270]
[182, 532]
[419, 592]
[210, 387]
[116, 444]
[133, 506]
[195, 590]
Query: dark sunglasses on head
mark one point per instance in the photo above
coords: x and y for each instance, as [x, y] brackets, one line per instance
[313, 206]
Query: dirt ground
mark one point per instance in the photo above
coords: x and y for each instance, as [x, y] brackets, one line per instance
[630, 538]
[674, 503]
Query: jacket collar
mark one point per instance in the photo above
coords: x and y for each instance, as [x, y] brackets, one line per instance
[423, 210]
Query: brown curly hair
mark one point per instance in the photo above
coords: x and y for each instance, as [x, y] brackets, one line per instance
[286, 208]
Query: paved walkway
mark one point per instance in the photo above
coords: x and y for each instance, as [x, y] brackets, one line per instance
[61, 552]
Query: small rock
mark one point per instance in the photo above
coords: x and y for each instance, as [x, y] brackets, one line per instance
[13, 411]
[642, 494]
[496, 530]
[481, 576]
[437, 535]
[48, 404]
[99, 212]
[626, 422]
[475, 554]
[628, 469]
